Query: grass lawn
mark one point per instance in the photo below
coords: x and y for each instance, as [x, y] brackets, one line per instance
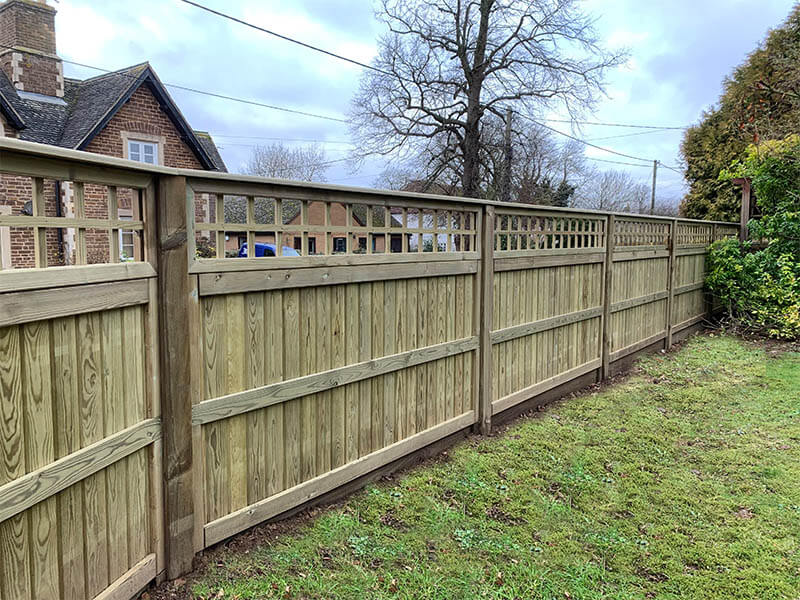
[682, 481]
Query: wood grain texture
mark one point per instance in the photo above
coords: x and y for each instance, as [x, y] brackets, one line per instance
[225, 527]
[224, 407]
[250, 281]
[40, 451]
[31, 279]
[177, 299]
[14, 551]
[37, 305]
[132, 581]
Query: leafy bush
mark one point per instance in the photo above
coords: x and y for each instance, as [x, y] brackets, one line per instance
[761, 287]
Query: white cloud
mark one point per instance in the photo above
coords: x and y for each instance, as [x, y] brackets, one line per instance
[680, 52]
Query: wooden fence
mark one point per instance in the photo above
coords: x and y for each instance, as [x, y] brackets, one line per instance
[153, 408]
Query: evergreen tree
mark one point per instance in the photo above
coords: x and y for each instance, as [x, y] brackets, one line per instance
[761, 101]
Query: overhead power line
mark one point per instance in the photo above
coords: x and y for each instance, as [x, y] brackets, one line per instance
[384, 72]
[283, 37]
[628, 125]
[626, 135]
[591, 145]
[619, 162]
[204, 92]
[279, 139]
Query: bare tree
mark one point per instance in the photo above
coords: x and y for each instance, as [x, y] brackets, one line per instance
[444, 65]
[542, 170]
[615, 191]
[304, 163]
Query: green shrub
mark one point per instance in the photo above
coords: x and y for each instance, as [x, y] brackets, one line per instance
[761, 287]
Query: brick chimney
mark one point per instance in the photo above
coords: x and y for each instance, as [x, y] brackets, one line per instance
[28, 47]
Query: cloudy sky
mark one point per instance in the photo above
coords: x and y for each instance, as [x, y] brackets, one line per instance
[680, 52]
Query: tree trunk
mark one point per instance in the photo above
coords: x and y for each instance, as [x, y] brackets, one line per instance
[470, 178]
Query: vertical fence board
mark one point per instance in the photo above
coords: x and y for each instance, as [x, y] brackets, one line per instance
[291, 414]
[338, 395]
[376, 384]
[40, 451]
[14, 554]
[254, 357]
[68, 440]
[92, 428]
[114, 421]
[234, 343]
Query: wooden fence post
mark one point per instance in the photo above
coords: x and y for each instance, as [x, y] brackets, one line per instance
[608, 269]
[673, 229]
[486, 299]
[708, 295]
[176, 293]
[744, 213]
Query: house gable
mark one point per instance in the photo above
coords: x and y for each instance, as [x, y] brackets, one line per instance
[142, 114]
[104, 97]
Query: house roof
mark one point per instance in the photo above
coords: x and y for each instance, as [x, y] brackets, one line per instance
[8, 110]
[89, 105]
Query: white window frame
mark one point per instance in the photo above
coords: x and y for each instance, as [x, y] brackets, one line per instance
[158, 141]
[141, 150]
[126, 216]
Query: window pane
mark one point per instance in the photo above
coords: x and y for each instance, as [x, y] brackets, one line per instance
[134, 151]
[146, 152]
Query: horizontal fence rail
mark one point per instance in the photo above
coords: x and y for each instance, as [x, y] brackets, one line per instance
[186, 354]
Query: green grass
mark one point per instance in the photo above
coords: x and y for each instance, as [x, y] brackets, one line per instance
[681, 482]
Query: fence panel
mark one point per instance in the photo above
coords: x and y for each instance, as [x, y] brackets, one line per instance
[639, 287]
[547, 305]
[80, 508]
[316, 374]
[691, 303]
[307, 335]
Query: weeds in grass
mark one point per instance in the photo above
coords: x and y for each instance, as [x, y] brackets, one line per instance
[681, 482]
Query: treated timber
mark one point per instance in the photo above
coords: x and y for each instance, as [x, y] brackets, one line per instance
[636, 253]
[177, 344]
[623, 352]
[517, 331]
[278, 263]
[529, 392]
[673, 230]
[608, 279]
[43, 483]
[256, 281]
[65, 222]
[39, 305]
[688, 323]
[132, 581]
[691, 287]
[639, 301]
[690, 251]
[485, 308]
[18, 280]
[540, 260]
[225, 527]
[238, 403]
[25, 164]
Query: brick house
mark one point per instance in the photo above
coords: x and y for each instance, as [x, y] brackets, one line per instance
[125, 114]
